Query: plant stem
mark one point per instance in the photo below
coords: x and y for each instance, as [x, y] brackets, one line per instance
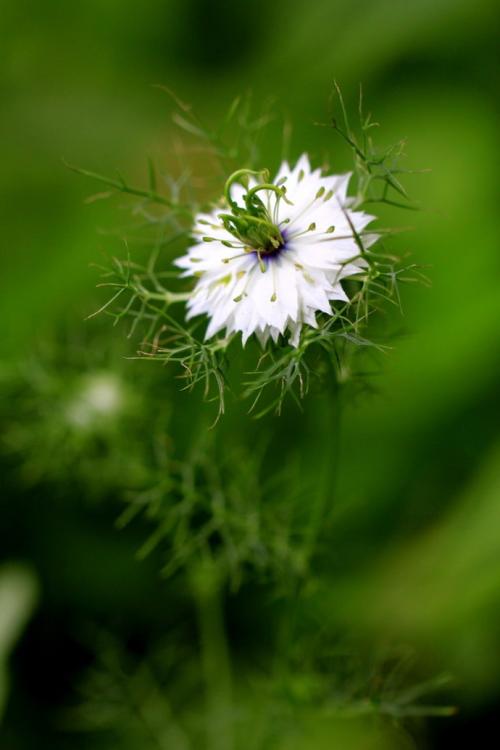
[327, 472]
[215, 656]
[122, 187]
[330, 422]
[169, 297]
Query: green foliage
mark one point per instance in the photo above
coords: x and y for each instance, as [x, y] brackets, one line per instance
[79, 414]
[74, 414]
[150, 699]
[219, 505]
[377, 171]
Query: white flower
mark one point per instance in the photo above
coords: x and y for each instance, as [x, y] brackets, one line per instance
[277, 255]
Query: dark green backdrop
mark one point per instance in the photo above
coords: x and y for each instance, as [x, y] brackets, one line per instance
[419, 488]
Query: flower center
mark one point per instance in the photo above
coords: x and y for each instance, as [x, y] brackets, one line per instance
[251, 223]
[272, 250]
[255, 231]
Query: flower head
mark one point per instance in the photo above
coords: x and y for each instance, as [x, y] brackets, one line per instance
[276, 254]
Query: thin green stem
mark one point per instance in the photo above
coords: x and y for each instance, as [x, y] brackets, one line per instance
[215, 658]
[327, 472]
[169, 298]
[325, 490]
[121, 186]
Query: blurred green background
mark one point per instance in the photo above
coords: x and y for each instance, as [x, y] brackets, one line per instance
[414, 552]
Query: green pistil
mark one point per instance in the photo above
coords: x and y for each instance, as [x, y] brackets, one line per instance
[241, 176]
[252, 224]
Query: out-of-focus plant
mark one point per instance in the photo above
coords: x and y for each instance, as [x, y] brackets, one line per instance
[322, 686]
[18, 596]
[290, 264]
[72, 412]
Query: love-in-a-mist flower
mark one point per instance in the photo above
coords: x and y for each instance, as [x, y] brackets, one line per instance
[275, 253]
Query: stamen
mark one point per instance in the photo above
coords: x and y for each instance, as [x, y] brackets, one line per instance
[310, 228]
[206, 223]
[234, 257]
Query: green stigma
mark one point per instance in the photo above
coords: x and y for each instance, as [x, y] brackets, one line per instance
[252, 224]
